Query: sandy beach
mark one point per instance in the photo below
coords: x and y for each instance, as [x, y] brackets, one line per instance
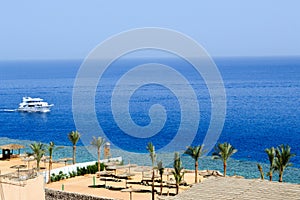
[5, 165]
[211, 187]
[84, 185]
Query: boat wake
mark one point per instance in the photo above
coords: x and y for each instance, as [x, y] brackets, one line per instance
[8, 110]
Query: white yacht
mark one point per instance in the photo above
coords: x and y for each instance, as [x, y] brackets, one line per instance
[34, 105]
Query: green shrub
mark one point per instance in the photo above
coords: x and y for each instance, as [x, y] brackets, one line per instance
[81, 171]
[58, 177]
[102, 166]
[72, 174]
[90, 169]
[52, 177]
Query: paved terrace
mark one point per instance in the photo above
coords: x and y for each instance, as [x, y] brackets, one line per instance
[235, 188]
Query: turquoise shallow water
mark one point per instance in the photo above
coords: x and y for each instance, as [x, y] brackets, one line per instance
[245, 168]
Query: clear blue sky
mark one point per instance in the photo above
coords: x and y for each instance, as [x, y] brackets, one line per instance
[63, 29]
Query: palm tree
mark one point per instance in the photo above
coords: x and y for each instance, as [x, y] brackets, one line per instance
[151, 150]
[51, 149]
[271, 155]
[98, 142]
[177, 172]
[74, 137]
[282, 159]
[38, 152]
[161, 172]
[261, 171]
[195, 152]
[223, 152]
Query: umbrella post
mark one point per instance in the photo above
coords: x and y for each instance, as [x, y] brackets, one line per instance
[18, 168]
[168, 175]
[129, 167]
[130, 190]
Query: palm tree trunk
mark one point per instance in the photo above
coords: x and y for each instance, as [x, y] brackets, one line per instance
[225, 168]
[99, 160]
[74, 154]
[196, 171]
[153, 198]
[271, 175]
[280, 175]
[161, 184]
[261, 171]
[50, 168]
[177, 188]
[38, 165]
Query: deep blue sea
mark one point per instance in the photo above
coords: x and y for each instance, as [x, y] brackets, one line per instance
[262, 99]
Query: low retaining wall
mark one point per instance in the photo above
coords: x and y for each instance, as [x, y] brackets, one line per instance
[25, 190]
[61, 195]
[71, 168]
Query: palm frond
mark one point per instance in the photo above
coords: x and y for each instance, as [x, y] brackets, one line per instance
[74, 136]
[160, 167]
[151, 149]
[97, 142]
[223, 151]
[271, 155]
[51, 148]
[282, 157]
[195, 151]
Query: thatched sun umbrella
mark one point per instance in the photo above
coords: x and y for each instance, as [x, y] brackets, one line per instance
[130, 190]
[125, 176]
[28, 160]
[65, 160]
[18, 167]
[143, 169]
[10, 147]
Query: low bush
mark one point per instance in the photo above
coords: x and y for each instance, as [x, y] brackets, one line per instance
[90, 169]
[72, 174]
[58, 177]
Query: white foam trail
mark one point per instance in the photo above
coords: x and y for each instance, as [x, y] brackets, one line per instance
[8, 110]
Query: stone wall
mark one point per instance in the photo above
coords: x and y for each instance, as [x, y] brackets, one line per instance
[62, 195]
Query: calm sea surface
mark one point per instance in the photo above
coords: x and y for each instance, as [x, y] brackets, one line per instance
[263, 108]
